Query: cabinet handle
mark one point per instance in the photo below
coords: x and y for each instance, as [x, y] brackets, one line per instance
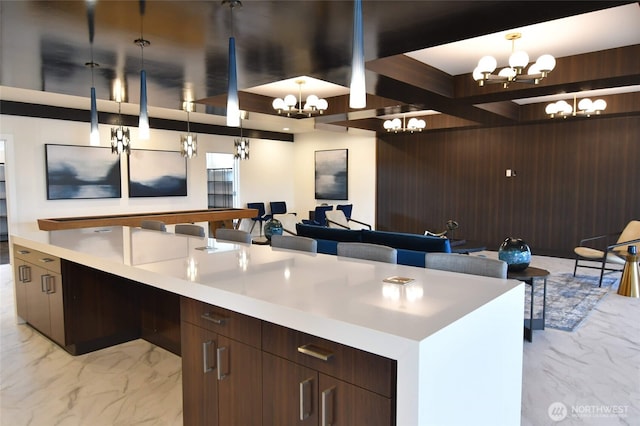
[43, 285]
[46, 260]
[24, 273]
[50, 279]
[205, 356]
[219, 352]
[316, 352]
[305, 398]
[23, 252]
[216, 319]
[327, 406]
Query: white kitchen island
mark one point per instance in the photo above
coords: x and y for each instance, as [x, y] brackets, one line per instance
[457, 339]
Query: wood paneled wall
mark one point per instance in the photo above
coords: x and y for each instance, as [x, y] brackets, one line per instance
[574, 178]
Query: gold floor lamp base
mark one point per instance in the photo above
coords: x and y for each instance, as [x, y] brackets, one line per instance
[629, 283]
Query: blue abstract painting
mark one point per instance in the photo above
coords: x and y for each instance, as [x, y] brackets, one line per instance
[331, 174]
[75, 172]
[157, 174]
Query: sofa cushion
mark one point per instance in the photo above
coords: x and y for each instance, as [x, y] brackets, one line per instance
[401, 240]
[324, 233]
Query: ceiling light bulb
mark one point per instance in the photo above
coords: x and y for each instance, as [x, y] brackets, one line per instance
[585, 104]
[477, 74]
[546, 63]
[290, 101]
[322, 104]
[599, 105]
[412, 124]
[534, 69]
[396, 123]
[551, 109]
[312, 101]
[278, 104]
[487, 64]
[518, 59]
[507, 72]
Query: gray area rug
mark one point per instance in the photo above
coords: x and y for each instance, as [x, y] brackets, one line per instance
[569, 299]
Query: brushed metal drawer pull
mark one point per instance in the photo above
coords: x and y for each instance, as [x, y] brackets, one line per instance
[206, 368]
[305, 398]
[219, 352]
[316, 352]
[216, 319]
[327, 406]
[23, 252]
[43, 285]
[50, 283]
[24, 273]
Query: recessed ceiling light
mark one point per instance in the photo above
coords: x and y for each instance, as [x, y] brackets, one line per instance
[285, 128]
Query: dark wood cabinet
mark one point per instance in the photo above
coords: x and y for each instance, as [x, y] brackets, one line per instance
[312, 381]
[220, 375]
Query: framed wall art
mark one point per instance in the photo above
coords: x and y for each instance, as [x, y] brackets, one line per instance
[157, 174]
[331, 174]
[80, 172]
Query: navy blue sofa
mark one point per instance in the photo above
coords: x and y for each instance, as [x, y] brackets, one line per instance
[411, 247]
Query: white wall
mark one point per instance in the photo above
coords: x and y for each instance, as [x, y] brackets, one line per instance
[276, 170]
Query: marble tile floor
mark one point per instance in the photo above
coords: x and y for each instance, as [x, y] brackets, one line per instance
[593, 372]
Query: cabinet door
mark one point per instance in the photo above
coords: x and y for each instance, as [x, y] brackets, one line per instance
[343, 404]
[53, 288]
[199, 381]
[289, 392]
[38, 301]
[239, 373]
[23, 273]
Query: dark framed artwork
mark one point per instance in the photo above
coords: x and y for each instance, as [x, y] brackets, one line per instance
[157, 174]
[81, 172]
[331, 174]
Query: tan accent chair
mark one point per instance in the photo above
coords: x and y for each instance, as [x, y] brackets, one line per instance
[190, 229]
[466, 264]
[294, 242]
[156, 225]
[233, 235]
[368, 251]
[613, 254]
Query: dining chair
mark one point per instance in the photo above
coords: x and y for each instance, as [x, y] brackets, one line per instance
[190, 229]
[233, 235]
[294, 242]
[156, 225]
[262, 216]
[368, 251]
[466, 264]
[278, 207]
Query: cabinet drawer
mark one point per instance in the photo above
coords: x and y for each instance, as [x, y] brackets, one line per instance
[222, 321]
[46, 261]
[361, 368]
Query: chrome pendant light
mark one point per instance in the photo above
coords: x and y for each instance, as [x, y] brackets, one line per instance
[143, 121]
[188, 142]
[233, 104]
[358, 87]
[94, 135]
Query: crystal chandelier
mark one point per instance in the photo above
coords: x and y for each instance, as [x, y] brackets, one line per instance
[241, 144]
[292, 106]
[120, 136]
[585, 107]
[395, 125]
[514, 72]
[188, 142]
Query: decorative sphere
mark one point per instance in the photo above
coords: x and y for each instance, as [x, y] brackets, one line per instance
[272, 227]
[516, 253]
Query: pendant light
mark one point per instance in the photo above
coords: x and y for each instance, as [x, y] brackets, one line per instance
[358, 88]
[233, 104]
[94, 136]
[143, 121]
[188, 142]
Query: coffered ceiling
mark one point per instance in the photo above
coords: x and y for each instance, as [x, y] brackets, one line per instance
[419, 54]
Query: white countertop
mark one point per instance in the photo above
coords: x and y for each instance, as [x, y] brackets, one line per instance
[341, 299]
